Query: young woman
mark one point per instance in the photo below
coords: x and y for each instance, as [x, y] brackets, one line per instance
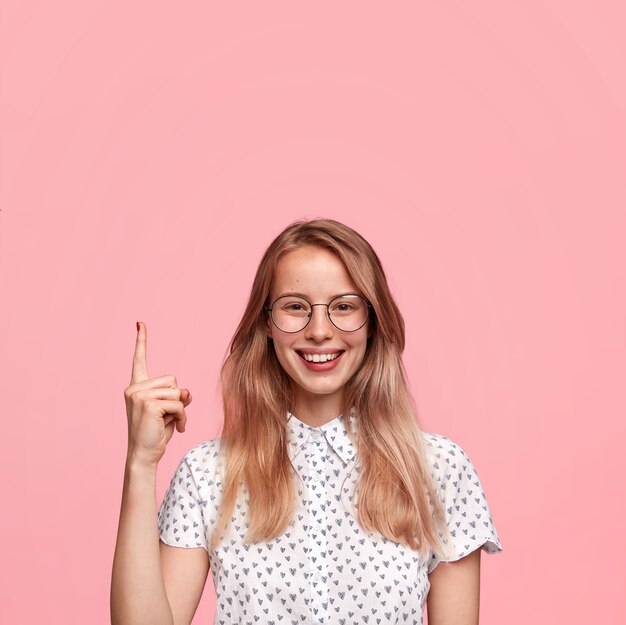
[322, 501]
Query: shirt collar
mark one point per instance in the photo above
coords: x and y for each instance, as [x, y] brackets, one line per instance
[334, 431]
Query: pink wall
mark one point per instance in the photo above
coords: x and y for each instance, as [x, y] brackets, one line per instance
[150, 155]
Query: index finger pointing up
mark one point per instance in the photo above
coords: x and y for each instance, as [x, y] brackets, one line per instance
[140, 366]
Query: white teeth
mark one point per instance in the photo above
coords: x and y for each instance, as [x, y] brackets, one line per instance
[320, 357]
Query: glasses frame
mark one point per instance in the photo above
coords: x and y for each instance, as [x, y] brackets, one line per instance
[269, 310]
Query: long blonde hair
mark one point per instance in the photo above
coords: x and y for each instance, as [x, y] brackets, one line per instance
[396, 495]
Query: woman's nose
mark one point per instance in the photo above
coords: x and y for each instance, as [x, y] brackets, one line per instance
[319, 327]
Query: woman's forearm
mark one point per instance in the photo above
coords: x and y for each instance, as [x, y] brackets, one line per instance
[138, 594]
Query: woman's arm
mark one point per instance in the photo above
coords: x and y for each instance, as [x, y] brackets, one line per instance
[454, 595]
[138, 593]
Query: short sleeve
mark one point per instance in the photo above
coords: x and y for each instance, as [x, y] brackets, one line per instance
[183, 517]
[465, 505]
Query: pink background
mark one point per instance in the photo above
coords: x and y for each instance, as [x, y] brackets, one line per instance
[150, 154]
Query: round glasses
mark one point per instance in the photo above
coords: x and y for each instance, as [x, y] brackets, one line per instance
[292, 313]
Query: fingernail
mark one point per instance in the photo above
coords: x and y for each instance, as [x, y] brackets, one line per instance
[138, 326]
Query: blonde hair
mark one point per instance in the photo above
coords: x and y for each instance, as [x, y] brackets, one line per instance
[396, 495]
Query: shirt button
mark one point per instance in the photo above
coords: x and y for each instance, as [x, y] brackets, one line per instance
[316, 435]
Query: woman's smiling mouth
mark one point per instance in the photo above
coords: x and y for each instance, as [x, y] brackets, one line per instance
[321, 357]
[320, 361]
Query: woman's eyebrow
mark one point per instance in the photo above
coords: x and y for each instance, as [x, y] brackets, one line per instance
[292, 293]
[295, 294]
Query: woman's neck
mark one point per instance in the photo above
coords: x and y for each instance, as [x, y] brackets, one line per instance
[317, 410]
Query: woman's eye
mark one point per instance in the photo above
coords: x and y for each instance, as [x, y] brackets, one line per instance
[344, 307]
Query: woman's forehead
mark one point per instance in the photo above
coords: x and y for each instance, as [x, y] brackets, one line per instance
[312, 269]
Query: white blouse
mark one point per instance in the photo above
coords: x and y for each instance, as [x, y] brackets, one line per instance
[324, 568]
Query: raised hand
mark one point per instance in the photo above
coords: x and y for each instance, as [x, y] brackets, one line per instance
[154, 406]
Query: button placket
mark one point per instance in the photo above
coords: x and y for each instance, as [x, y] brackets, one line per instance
[317, 534]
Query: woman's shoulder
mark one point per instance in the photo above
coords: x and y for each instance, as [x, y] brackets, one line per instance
[444, 454]
[436, 444]
[204, 457]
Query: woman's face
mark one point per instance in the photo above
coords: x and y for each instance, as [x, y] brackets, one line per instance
[318, 275]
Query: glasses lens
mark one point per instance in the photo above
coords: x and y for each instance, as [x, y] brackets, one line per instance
[290, 314]
[348, 312]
